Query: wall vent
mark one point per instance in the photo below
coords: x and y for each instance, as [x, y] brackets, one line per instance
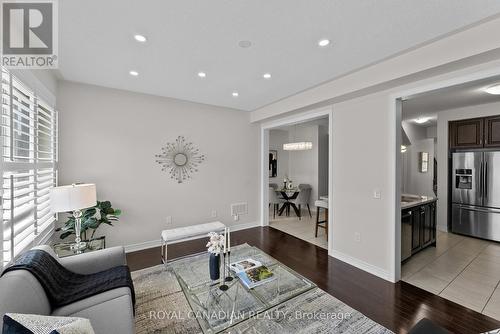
[238, 209]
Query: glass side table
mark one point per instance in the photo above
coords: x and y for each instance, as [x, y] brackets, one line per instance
[64, 249]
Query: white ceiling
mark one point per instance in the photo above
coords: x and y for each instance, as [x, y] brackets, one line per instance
[430, 103]
[188, 36]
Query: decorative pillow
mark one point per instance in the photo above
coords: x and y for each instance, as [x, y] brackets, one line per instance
[16, 323]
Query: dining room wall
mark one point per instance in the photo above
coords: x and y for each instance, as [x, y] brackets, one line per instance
[304, 164]
[278, 137]
[110, 137]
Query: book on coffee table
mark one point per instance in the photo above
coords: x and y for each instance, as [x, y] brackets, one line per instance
[256, 276]
[243, 265]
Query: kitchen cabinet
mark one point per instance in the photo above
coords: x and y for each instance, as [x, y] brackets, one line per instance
[475, 133]
[418, 229]
[428, 224]
[467, 133]
[492, 131]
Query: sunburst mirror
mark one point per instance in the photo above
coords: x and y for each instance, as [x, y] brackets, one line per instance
[180, 159]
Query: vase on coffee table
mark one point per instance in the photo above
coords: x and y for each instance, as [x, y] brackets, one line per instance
[214, 266]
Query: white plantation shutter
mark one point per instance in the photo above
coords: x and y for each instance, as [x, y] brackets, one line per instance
[28, 167]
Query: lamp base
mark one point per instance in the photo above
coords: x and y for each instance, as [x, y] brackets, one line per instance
[79, 246]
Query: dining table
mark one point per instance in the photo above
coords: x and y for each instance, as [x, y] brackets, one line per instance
[288, 195]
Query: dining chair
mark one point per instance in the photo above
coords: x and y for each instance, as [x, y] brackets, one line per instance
[303, 198]
[274, 200]
[321, 204]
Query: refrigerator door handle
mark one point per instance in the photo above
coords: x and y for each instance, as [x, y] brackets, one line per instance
[485, 180]
[481, 181]
[476, 209]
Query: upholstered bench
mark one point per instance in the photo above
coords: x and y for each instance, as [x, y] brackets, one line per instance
[187, 232]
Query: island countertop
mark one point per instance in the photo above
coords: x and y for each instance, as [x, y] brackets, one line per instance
[410, 201]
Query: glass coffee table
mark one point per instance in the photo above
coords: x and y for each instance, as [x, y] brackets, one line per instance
[217, 310]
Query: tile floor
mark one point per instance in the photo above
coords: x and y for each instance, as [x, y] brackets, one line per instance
[302, 229]
[462, 269]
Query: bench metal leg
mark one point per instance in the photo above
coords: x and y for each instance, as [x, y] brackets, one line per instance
[164, 258]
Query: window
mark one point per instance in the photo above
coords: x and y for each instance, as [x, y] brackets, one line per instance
[28, 166]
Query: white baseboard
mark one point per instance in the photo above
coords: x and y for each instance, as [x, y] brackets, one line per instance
[157, 243]
[374, 270]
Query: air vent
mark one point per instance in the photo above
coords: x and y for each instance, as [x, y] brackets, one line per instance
[238, 209]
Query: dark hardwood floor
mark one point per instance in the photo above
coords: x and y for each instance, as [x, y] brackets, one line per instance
[396, 306]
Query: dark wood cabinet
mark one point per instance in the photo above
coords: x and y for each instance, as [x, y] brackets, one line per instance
[428, 224]
[467, 133]
[492, 131]
[418, 229]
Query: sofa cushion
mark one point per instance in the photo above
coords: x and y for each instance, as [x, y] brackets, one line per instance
[20, 292]
[16, 323]
[73, 308]
[115, 316]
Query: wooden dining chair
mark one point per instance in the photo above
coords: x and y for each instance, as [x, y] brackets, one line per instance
[320, 204]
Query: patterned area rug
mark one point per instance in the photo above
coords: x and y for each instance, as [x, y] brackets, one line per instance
[162, 308]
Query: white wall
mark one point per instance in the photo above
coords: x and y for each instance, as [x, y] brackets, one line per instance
[364, 150]
[276, 140]
[362, 164]
[323, 154]
[110, 137]
[444, 117]
[303, 165]
[414, 181]
[309, 166]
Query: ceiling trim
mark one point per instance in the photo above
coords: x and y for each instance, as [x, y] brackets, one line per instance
[431, 55]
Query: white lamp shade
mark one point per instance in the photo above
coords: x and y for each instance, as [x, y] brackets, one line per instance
[73, 197]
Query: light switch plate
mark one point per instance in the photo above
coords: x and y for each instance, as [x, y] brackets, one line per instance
[377, 194]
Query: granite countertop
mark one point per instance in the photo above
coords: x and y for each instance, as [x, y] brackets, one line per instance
[409, 200]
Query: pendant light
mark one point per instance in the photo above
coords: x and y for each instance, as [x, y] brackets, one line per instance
[297, 146]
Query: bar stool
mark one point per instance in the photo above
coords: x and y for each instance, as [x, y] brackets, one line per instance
[321, 204]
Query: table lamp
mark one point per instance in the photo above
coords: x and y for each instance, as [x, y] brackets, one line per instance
[74, 198]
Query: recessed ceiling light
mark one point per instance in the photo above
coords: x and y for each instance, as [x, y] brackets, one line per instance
[422, 120]
[244, 44]
[133, 73]
[495, 89]
[236, 94]
[324, 42]
[140, 38]
[202, 74]
[267, 76]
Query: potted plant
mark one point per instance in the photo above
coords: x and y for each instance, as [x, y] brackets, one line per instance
[92, 218]
[215, 245]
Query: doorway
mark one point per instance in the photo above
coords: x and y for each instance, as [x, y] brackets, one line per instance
[296, 176]
[442, 251]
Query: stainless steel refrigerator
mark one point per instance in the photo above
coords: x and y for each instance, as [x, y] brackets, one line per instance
[476, 194]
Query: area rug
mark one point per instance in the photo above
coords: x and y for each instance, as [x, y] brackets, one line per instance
[161, 307]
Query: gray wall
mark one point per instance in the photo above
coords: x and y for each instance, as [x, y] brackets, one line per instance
[110, 137]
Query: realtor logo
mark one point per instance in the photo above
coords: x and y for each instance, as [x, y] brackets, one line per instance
[29, 34]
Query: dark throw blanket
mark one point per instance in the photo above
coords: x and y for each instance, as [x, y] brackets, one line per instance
[64, 287]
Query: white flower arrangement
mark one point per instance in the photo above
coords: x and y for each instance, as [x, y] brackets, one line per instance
[216, 243]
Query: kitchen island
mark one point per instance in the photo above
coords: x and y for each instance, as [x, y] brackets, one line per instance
[418, 224]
